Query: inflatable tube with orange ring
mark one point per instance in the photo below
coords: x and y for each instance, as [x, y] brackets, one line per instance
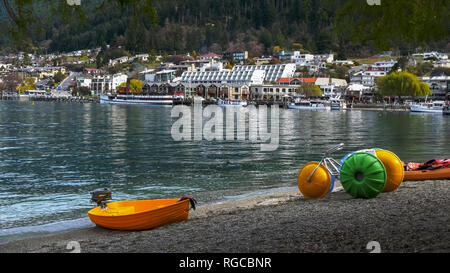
[321, 181]
[394, 169]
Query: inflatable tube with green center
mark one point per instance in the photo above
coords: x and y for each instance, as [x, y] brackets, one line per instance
[363, 175]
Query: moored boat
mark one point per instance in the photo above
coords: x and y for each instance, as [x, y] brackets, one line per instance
[225, 103]
[309, 105]
[338, 104]
[428, 107]
[138, 99]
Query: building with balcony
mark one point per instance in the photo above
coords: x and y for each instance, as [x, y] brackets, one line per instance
[106, 83]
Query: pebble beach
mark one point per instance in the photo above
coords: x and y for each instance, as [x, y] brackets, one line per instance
[414, 218]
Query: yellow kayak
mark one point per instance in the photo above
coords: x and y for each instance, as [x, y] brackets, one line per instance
[140, 214]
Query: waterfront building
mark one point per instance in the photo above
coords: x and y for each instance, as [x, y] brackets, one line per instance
[439, 86]
[84, 81]
[106, 83]
[225, 83]
[273, 72]
[331, 87]
[275, 92]
[358, 91]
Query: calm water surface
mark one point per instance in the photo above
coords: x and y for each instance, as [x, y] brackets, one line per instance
[53, 154]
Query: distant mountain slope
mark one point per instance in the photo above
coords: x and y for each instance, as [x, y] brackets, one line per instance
[204, 25]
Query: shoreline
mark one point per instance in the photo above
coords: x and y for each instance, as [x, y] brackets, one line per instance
[224, 202]
[414, 218]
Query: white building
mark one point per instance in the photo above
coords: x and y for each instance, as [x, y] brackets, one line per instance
[303, 59]
[343, 62]
[441, 63]
[211, 66]
[328, 58]
[360, 78]
[107, 83]
[433, 54]
[331, 87]
[384, 65]
[273, 72]
[120, 60]
[358, 91]
[140, 57]
[272, 91]
[439, 85]
[83, 82]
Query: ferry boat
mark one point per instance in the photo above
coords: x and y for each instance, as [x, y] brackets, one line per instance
[428, 107]
[226, 103]
[138, 99]
[309, 105]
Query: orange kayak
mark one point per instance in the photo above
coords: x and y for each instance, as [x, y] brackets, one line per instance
[141, 214]
[436, 174]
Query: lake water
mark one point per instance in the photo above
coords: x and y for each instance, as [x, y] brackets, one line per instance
[53, 154]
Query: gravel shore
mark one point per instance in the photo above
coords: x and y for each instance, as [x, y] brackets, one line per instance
[414, 218]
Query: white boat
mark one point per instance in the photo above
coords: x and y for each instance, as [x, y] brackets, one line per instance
[226, 103]
[428, 107]
[309, 105]
[138, 99]
[337, 103]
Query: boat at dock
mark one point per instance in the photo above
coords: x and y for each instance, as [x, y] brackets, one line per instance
[138, 99]
[225, 103]
[428, 107]
[336, 103]
[309, 105]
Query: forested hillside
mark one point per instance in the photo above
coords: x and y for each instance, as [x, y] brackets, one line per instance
[203, 25]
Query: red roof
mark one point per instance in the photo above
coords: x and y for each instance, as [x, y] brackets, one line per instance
[299, 79]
